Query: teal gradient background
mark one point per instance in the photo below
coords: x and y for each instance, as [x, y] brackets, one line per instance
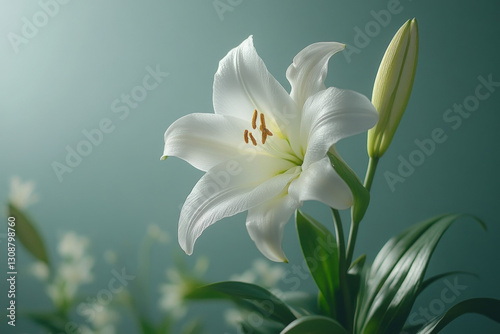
[66, 78]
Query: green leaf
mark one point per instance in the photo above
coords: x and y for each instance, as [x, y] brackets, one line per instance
[360, 194]
[354, 276]
[267, 303]
[27, 234]
[396, 276]
[435, 278]
[485, 306]
[321, 254]
[147, 327]
[357, 266]
[301, 303]
[165, 324]
[314, 324]
[51, 321]
[253, 325]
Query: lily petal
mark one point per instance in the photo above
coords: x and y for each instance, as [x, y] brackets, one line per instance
[230, 188]
[331, 115]
[308, 71]
[243, 83]
[265, 224]
[204, 140]
[321, 183]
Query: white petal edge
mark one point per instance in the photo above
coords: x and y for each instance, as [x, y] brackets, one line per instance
[308, 70]
[321, 183]
[230, 188]
[243, 83]
[205, 140]
[265, 225]
[331, 115]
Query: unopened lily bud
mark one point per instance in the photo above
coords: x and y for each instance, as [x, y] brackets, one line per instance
[392, 88]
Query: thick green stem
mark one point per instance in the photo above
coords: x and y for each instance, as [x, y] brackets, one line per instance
[353, 233]
[370, 173]
[145, 266]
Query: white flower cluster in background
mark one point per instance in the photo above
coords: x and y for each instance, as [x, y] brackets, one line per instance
[179, 284]
[73, 271]
[103, 322]
[261, 273]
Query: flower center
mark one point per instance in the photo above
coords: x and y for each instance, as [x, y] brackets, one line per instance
[265, 132]
[278, 146]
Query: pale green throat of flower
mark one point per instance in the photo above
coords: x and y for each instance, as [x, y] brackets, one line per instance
[271, 145]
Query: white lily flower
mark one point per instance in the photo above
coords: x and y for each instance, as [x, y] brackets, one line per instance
[264, 150]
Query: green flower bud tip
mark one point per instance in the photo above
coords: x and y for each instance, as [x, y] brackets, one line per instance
[393, 85]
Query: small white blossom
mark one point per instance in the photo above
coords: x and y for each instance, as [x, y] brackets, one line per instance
[40, 270]
[233, 317]
[55, 293]
[201, 266]
[171, 300]
[261, 273]
[104, 318]
[22, 194]
[74, 269]
[247, 276]
[156, 233]
[110, 256]
[269, 274]
[77, 272]
[179, 284]
[73, 246]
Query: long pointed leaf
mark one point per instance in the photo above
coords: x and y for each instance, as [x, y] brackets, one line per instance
[314, 324]
[269, 304]
[486, 306]
[321, 254]
[53, 322]
[354, 277]
[396, 276]
[435, 278]
[28, 235]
